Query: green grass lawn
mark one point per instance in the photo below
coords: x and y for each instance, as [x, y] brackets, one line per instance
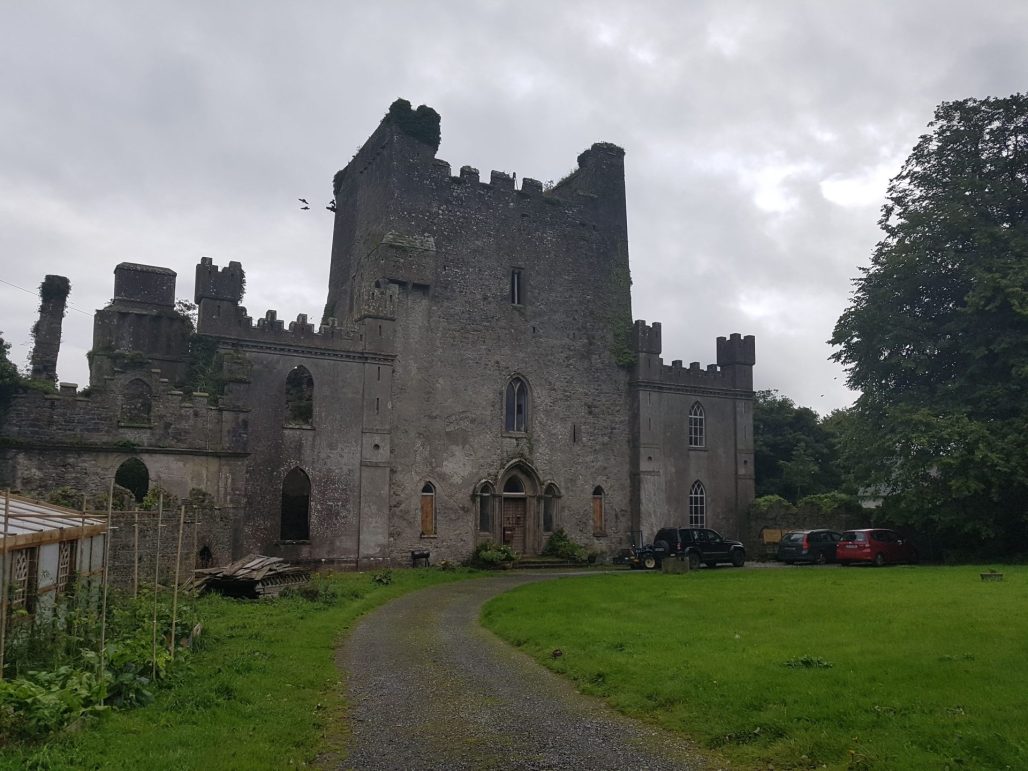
[928, 665]
[262, 693]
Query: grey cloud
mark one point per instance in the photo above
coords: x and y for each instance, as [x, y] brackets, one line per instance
[163, 133]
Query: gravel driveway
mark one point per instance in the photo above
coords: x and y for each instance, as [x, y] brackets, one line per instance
[430, 689]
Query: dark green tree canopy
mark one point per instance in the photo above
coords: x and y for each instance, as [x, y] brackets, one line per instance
[794, 454]
[936, 335]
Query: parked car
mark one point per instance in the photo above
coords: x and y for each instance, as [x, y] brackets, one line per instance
[808, 546]
[695, 544]
[875, 545]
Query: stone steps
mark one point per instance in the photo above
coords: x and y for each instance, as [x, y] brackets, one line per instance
[543, 564]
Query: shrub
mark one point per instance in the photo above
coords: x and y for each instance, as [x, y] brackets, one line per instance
[493, 555]
[560, 545]
[774, 505]
[382, 577]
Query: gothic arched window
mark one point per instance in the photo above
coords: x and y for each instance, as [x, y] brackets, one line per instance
[296, 506]
[551, 499]
[697, 430]
[485, 508]
[697, 505]
[515, 410]
[134, 477]
[299, 397]
[428, 509]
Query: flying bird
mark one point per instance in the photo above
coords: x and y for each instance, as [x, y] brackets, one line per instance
[303, 201]
[304, 208]
[331, 205]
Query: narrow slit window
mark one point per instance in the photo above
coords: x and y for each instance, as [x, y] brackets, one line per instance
[516, 289]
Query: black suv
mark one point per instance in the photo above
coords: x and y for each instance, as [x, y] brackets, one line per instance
[696, 544]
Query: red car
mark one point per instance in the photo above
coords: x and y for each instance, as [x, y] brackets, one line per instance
[874, 545]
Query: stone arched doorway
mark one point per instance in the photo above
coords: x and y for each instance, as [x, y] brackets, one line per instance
[518, 492]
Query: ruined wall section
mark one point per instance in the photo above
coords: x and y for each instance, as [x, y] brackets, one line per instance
[46, 333]
[664, 463]
[140, 324]
[449, 245]
[346, 441]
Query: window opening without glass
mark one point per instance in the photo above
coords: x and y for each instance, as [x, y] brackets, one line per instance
[296, 504]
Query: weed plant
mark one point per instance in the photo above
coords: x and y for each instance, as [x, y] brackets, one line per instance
[263, 692]
[892, 668]
[52, 669]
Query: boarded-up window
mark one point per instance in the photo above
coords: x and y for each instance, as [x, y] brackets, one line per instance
[599, 526]
[296, 505]
[428, 509]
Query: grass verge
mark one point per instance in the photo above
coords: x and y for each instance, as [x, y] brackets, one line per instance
[898, 668]
[262, 693]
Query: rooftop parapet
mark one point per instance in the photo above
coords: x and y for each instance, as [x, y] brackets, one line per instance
[647, 337]
[147, 284]
[736, 350]
[733, 371]
[220, 315]
[225, 284]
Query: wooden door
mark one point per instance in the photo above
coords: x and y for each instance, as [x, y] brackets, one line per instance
[514, 523]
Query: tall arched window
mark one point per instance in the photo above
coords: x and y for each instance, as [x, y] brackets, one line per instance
[136, 402]
[697, 431]
[299, 397]
[551, 498]
[599, 526]
[428, 509]
[296, 506]
[515, 411]
[485, 508]
[134, 477]
[697, 505]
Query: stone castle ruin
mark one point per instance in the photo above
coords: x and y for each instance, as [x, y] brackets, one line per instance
[475, 375]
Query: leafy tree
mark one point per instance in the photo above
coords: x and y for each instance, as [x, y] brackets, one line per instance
[9, 377]
[793, 453]
[936, 335]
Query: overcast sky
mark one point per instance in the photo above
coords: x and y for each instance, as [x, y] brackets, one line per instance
[759, 138]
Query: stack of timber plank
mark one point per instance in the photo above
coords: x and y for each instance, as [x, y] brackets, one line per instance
[253, 576]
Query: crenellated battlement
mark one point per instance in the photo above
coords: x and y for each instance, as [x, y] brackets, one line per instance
[647, 337]
[736, 356]
[227, 283]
